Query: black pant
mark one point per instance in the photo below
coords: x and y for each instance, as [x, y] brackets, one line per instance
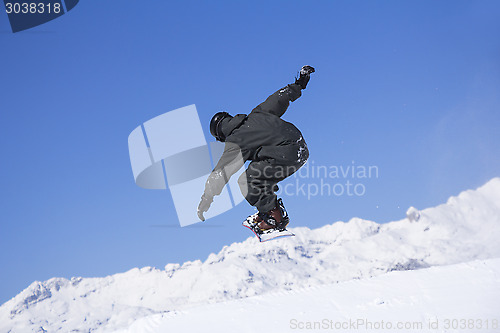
[259, 181]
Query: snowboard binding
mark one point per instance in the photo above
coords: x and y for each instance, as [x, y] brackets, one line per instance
[270, 225]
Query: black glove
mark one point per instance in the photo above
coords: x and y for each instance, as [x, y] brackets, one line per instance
[304, 76]
[204, 205]
[306, 70]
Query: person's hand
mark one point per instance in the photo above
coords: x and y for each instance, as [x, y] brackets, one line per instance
[204, 205]
[305, 75]
[306, 70]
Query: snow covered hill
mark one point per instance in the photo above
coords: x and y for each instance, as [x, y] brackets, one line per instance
[466, 228]
[455, 298]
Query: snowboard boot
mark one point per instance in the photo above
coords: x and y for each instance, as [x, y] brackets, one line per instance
[304, 76]
[276, 218]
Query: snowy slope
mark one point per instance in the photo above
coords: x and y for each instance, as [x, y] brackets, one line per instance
[434, 299]
[466, 228]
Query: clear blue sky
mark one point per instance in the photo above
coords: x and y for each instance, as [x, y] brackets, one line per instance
[411, 87]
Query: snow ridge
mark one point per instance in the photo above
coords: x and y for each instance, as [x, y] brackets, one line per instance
[414, 301]
[466, 228]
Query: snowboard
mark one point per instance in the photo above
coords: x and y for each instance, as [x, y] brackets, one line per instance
[265, 235]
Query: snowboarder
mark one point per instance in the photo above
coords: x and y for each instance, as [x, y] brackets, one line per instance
[275, 148]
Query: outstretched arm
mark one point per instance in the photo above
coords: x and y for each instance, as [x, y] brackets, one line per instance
[278, 102]
[230, 162]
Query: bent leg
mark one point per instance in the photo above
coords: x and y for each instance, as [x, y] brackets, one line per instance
[259, 182]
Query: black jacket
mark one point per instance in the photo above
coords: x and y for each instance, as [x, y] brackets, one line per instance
[260, 135]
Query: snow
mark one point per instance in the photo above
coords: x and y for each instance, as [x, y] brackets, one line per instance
[413, 214]
[348, 269]
[423, 300]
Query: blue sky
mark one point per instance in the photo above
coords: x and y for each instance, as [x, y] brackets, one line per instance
[411, 87]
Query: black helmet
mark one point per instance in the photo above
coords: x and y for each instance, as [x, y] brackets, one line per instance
[215, 123]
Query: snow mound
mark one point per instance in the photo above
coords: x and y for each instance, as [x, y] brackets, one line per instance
[466, 228]
[413, 214]
[427, 300]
